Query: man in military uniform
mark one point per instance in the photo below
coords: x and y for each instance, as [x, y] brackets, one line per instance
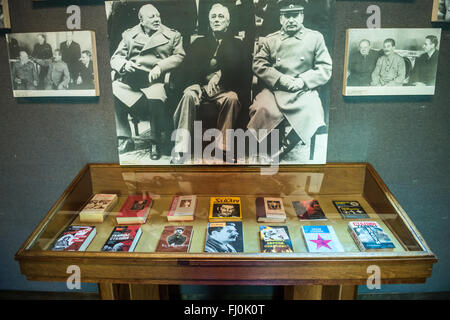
[146, 53]
[390, 69]
[58, 76]
[24, 73]
[292, 63]
[176, 239]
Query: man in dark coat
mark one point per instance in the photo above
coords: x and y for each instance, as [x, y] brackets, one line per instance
[425, 66]
[214, 77]
[146, 53]
[71, 53]
[85, 79]
[42, 51]
[24, 73]
[292, 63]
[361, 65]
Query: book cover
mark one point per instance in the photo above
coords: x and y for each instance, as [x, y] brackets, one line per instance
[350, 209]
[275, 239]
[308, 210]
[135, 210]
[261, 215]
[321, 239]
[274, 207]
[98, 207]
[123, 238]
[175, 239]
[369, 235]
[182, 208]
[224, 237]
[74, 238]
[225, 209]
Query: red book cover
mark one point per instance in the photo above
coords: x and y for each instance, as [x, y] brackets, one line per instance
[123, 238]
[74, 238]
[134, 210]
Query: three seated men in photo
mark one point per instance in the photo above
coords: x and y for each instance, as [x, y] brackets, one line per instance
[290, 65]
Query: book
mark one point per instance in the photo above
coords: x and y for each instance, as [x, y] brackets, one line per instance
[74, 238]
[225, 209]
[369, 235]
[98, 207]
[224, 237]
[182, 208]
[135, 210]
[350, 209]
[309, 210]
[123, 238]
[175, 239]
[275, 239]
[321, 239]
[270, 210]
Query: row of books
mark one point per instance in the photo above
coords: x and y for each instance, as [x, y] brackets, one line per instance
[136, 209]
[228, 237]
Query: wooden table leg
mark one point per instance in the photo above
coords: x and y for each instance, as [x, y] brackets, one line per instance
[317, 292]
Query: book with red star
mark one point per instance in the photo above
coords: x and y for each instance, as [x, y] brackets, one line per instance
[321, 239]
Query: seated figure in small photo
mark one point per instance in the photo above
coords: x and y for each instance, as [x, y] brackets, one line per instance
[85, 79]
[58, 76]
[24, 73]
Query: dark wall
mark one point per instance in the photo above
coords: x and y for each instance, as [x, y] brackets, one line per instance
[46, 142]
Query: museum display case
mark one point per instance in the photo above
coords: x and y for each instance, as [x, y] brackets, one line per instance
[145, 273]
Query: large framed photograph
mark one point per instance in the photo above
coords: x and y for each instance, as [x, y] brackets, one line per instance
[382, 62]
[205, 81]
[53, 64]
[5, 22]
[441, 11]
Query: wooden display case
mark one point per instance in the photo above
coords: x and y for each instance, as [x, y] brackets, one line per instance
[146, 274]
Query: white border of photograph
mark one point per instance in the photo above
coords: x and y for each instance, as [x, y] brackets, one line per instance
[26, 41]
[409, 45]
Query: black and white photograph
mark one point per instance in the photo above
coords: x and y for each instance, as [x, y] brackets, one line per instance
[53, 64]
[5, 23]
[386, 62]
[224, 237]
[189, 76]
[226, 210]
[441, 11]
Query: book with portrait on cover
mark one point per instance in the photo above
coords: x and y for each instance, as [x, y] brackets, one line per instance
[275, 239]
[270, 210]
[123, 238]
[175, 239]
[182, 208]
[135, 210]
[224, 237]
[225, 209]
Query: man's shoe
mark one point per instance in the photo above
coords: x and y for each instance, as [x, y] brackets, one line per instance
[126, 145]
[155, 153]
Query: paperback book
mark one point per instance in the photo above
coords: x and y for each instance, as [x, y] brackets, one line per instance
[369, 235]
[123, 238]
[182, 208]
[270, 210]
[135, 210]
[175, 239]
[98, 207]
[350, 209]
[224, 237]
[321, 239]
[225, 209]
[74, 238]
[308, 210]
[275, 239]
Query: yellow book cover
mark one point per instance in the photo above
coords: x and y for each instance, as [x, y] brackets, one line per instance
[225, 209]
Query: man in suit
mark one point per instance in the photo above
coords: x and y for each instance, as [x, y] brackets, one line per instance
[145, 54]
[71, 53]
[390, 69]
[361, 65]
[85, 79]
[425, 66]
[292, 63]
[214, 66]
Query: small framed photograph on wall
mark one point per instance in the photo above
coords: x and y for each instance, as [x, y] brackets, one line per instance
[382, 62]
[5, 23]
[53, 64]
[441, 11]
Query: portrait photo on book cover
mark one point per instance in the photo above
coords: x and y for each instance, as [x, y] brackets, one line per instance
[53, 64]
[380, 62]
[221, 81]
[226, 210]
[224, 237]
